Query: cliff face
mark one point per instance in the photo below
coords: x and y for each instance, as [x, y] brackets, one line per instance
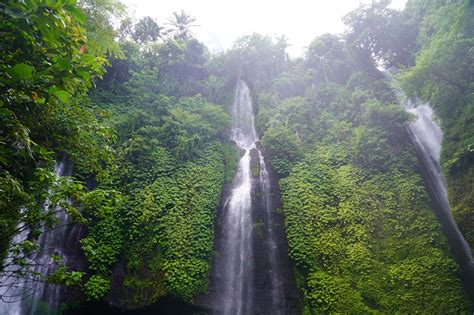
[289, 291]
[261, 263]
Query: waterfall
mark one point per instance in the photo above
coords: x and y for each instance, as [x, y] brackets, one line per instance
[277, 300]
[426, 135]
[252, 271]
[11, 286]
[21, 288]
[235, 295]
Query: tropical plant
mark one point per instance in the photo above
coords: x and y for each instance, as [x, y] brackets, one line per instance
[181, 24]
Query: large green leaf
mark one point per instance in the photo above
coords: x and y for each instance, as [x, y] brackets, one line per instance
[22, 71]
[64, 64]
[61, 94]
[76, 13]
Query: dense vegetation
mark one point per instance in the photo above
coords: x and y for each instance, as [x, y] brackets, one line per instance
[443, 75]
[358, 220]
[50, 57]
[171, 159]
[148, 143]
[142, 113]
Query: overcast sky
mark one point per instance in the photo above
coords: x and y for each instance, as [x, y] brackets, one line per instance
[221, 22]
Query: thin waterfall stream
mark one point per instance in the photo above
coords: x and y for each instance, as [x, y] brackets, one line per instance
[275, 277]
[21, 290]
[426, 136]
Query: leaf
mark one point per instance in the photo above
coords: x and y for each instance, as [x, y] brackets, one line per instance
[52, 3]
[64, 64]
[32, 5]
[22, 71]
[61, 94]
[5, 112]
[14, 13]
[49, 34]
[76, 13]
[85, 75]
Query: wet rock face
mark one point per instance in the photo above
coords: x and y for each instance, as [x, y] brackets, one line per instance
[255, 165]
[290, 296]
[75, 261]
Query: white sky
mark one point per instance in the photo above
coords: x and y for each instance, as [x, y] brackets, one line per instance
[222, 22]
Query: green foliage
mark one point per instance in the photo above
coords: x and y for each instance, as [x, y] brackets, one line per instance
[104, 240]
[366, 245]
[328, 56]
[384, 33]
[62, 276]
[443, 75]
[172, 159]
[48, 62]
[190, 124]
[333, 294]
[181, 66]
[181, 24]
[96, 287]
[231, 159]
[45, 64]
[154, 143]
[47, 198]
[146, 30]
[12, 198]
[172, 222]
[282, 146]
[257, 59]
[358, 221]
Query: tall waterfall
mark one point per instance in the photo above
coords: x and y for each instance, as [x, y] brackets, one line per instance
[248, 277]
[427, 136]
[27, 293]
[237, 257]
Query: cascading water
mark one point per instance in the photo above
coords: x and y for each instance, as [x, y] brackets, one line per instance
[21, 290]
[247, 277]
[12, 288]
[235, 267]
[427, 136]
[277, 300]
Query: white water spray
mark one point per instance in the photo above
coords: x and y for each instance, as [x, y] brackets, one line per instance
[236, 263]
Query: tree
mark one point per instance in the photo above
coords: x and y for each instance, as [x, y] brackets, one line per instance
[50, 57]
[443, 75]
[380, 33]
[328, 56]
[257, 59]
[146, 31]
[125, 30]
[191, 124]
[181, 25]
[282, 146]
[180, 65]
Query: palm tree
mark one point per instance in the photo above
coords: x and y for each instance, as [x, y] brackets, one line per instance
[181, 25]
